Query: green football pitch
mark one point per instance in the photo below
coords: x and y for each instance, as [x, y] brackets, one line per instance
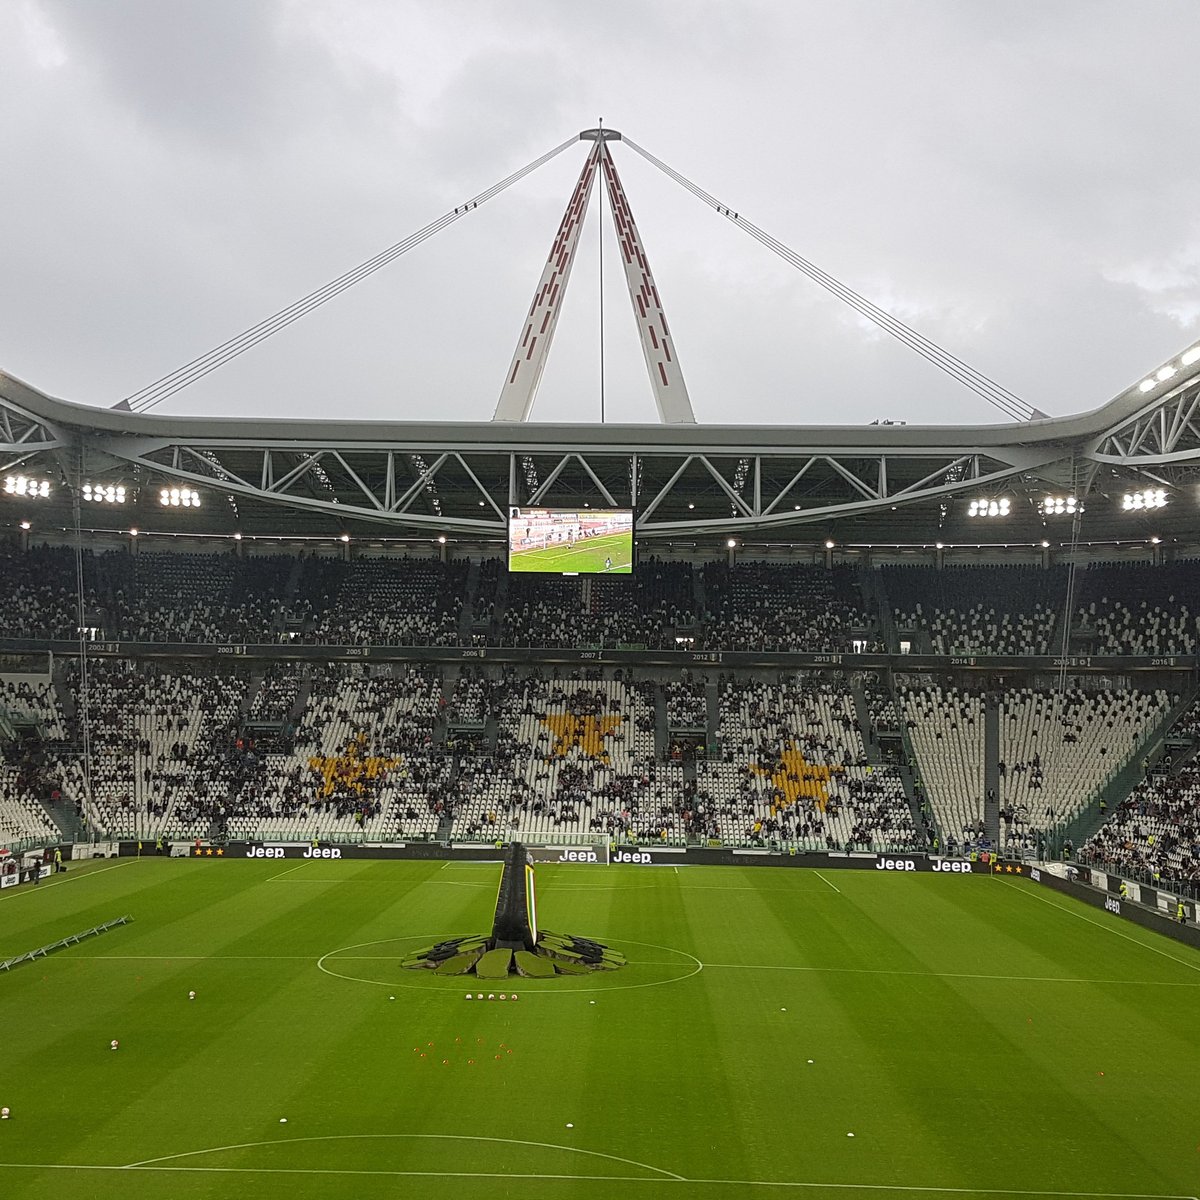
[587, 555]
[976, 1036]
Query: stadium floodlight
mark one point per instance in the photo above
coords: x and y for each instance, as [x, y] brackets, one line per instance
[1155, 540]
[441, 539]
[990, 508]
[22, 485]
[731, 543]
[179, 497]
[26, 526]
[940, 545]
[1190, 356]
[1056, 506]
[104, 493]
[133, 533]
[1045, 544]
[1150, 498]
[345, 537]
[1147, 385]
[1164, 373]
[237, 537]
[829, 543]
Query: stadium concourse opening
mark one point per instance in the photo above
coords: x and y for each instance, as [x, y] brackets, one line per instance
[516, 946]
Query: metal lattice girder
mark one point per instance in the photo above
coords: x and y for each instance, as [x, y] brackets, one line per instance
[1165, 430]
[22, 434]
[431, 478]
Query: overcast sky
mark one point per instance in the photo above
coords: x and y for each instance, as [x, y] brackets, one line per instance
[1018, 180]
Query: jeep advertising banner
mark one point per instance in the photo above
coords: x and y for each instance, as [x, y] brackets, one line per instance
[588, 856]
[595, 855]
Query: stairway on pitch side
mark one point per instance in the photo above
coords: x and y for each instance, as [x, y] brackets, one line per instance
[866, 727]
[991, 767]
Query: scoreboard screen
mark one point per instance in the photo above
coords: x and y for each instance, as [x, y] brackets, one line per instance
[559, 541]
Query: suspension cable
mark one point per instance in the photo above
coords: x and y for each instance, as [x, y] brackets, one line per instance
[1007, 402]
[154, 393]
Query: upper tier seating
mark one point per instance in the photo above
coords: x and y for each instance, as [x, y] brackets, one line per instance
[978, 610]
[769, 606]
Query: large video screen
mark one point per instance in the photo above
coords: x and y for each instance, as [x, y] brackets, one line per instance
[557, 541]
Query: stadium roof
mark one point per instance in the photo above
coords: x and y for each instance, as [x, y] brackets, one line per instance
[802, 484]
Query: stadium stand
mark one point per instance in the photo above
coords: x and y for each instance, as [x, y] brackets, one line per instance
[1058, 750]
[794, 771]
[574, 757]
[1155, 833]
[1133, 610]
[767, 606]
[977, 610]
[390, 601]
[406, 752]
[945, 727]
[361, 762]
[161, 742]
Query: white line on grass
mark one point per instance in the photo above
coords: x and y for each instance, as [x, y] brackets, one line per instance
[632, 1162]
[437, 1137]
[659, 1179]
[1183, 962]
[34, 889]
[824, 880]
[281, 874]
[942, 974]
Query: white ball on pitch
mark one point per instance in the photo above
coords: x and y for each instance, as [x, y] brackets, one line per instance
[503, 996]
[283, 1120]
[191, 995]
[113, 1044]
[491, 995]
[4, 1114]
[514, 996]
[470, 997]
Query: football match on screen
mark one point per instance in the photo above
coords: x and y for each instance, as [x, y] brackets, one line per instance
[562, 542]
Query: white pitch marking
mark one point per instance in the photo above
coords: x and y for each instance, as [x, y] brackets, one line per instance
[824, 880]
[441, 1137]
[943, 974]
[574, 991]
[765, 1183]
[1183, 962]
[272, 878]
[34, 889]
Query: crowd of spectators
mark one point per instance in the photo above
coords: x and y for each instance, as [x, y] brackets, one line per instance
[768, 606]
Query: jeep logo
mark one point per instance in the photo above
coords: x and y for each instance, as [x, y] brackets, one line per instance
[895, 864]
[322, 852]
[1113, 906]
[956, 865]
[1035, 875]
[265, 852]
[635, 856]
[583, 856]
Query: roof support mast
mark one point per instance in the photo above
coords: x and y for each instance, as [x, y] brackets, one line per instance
[529, 360]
